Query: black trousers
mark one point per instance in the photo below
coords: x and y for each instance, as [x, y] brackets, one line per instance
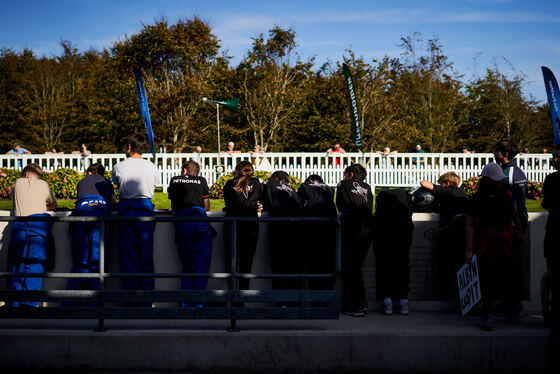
[392, 269]
[319, 252]
[356, 241]
[247, 235]
[285, 254]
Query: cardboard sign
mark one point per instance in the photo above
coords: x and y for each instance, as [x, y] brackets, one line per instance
[469, 286]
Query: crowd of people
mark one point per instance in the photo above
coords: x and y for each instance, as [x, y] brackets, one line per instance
[491, 225]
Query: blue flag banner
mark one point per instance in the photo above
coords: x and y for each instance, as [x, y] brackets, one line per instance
[553, 94]
[145, 111]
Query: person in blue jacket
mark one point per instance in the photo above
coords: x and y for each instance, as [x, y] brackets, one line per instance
[189, 197]
[96, 197]
[136, 180]
[30, 248]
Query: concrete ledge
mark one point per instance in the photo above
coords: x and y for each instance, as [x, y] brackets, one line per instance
[421, 342]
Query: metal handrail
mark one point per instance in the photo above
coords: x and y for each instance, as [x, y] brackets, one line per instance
[233, 275]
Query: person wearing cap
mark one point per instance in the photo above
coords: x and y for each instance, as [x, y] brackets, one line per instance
[18, 150]
[29, 250]
[418, 160]
[491, 236]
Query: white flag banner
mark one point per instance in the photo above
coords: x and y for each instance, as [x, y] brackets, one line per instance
[469, 286]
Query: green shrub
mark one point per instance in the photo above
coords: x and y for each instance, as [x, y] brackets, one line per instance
[534, 190]
[470, 186]
[63, 182]
[217, 189]
[8, 178]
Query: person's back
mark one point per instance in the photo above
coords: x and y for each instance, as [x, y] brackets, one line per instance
[242, 203]
[30, 195]
[136, 180]
[280, 200]
[30, 249]
[317, 198]
[354, 200]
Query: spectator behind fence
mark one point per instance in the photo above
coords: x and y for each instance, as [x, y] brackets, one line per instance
[551, 202]
[241, 197]
[96, 197]
[318, 239]
[491, 236]
[453, 205]
[18, 150]
[55, 150]
[85, 153]
[392, 238]
[136, 180]
[31, 248]
[354, 201]
[189, 197]
[280, 200]
[230, 150]
[418, 161]
[335, 149]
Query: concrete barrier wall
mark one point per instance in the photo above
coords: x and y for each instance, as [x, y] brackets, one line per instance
[424, 259]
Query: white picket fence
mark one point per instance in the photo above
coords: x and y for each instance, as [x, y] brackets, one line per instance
[397, 170]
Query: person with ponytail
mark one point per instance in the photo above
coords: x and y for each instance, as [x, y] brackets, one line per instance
[241, 197]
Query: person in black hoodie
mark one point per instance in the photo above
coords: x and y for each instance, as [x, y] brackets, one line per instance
[392, 238]
[241, 197]
[354, 200]
[318, 238]
[280, 200]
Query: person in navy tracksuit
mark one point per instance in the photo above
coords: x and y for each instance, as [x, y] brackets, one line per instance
[189, 197]
[96, 197]
[136, 179]
[31, 246]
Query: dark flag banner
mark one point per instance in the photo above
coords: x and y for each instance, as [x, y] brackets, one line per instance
[145, 111]
[553, 100]
[355, 130]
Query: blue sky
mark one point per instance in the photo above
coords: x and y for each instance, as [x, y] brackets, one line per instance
[526, 33]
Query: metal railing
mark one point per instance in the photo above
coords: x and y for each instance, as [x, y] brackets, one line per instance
[233, 298]
[396, 170]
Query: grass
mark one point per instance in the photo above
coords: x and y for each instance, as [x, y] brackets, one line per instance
[161, 201]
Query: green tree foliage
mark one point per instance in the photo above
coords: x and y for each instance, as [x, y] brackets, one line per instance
[286, 103]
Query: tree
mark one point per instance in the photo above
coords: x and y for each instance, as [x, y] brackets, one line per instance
[272, 86]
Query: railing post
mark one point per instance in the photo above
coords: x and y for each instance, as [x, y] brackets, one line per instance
[233, 270]
[101, 288]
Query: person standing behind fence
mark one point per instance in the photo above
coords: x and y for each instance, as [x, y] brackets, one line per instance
[280, 200]
[18, 150]
[491, 236]
[136, 180]
[241, 197]
[85, 153]
[392, 238]
[335, 149]
[504, 153]
[551, 202]
[453, 205]
[354, 200]
[96, 197]
[189, 197]
[31, 247]
[318, 238]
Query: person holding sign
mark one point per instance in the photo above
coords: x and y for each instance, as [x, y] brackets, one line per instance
[491, 235]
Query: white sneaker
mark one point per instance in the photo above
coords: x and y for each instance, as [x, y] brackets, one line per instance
[403, 307]
[387, 306]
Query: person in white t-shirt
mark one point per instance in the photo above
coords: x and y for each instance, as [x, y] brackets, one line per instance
[136, 180]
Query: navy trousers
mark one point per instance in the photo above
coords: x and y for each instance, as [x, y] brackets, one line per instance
[136, 243]
[85, 242]
[27, 253]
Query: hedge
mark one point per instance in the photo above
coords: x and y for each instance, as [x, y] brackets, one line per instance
[534, 189]
[63, 182]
